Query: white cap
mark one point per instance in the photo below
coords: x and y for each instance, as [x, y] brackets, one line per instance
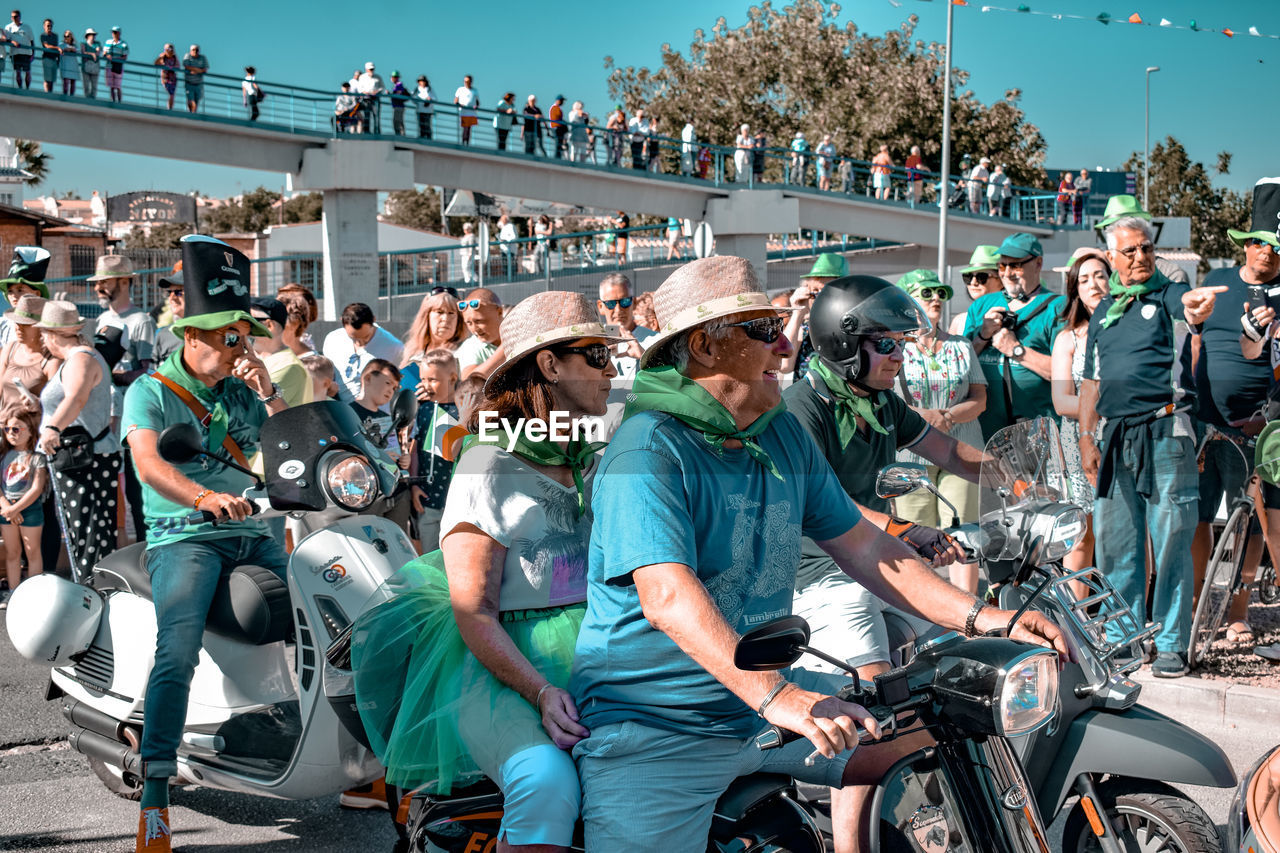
[368, 66]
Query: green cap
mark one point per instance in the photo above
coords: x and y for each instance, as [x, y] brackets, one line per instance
[1120, 207]
[1266, 453]
[1021, 245]
[395, 73]
[828, 265]
[983, 259]
[915, 280]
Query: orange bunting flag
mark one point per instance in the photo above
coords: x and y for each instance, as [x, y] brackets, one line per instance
[1135, 18]
[959, 2]
[1229, 33]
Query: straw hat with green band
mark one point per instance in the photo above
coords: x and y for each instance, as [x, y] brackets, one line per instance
[30, 266]
[215, 286]
[27, 311]
[544, 319]
[1266, 453]
[983, 259]
[828, 265]
[1120, 207]
[1266, 215]
[914, 281]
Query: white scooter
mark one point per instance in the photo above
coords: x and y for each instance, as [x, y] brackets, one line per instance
[255, 723]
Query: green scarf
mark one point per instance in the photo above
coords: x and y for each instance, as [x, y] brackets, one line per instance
[1126, 293]
[575, 456]
[174, 369]
[665, 389]
[848, 405]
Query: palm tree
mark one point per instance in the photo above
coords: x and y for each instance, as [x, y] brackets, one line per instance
[35, 161]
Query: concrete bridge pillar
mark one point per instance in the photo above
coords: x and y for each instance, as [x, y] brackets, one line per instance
[350, 173]
[743, 222]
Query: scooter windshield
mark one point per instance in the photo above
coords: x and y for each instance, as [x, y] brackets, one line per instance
[1023, 465]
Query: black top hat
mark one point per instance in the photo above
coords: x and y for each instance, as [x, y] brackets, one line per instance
[215, 286]
[1266, 214]
[30, 266]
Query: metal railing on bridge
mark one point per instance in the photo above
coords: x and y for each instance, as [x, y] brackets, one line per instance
[582, 142]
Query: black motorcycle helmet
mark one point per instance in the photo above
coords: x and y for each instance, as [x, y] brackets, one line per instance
[851, 308]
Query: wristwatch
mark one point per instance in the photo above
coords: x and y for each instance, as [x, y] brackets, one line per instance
[1019, 351]
[275, 394]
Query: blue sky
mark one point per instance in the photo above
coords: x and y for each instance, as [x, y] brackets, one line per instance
[1082, 82]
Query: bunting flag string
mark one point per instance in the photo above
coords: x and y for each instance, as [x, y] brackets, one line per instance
[1106, 19]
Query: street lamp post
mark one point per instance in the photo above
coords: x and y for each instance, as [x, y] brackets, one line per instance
[944, 190]
[1146, 143]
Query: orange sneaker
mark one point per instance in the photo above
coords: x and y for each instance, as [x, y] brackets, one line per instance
[370, 796]
[153, 831]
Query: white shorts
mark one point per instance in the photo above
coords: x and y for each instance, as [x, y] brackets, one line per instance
[881, 181]
[847, 620]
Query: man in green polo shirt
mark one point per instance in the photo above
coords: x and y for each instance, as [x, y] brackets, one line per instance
[218, 384]
[1012, 330]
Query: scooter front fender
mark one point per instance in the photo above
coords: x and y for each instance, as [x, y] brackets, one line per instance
[1139, 743]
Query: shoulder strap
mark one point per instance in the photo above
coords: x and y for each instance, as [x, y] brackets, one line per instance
[1044, 303]
[202, 414]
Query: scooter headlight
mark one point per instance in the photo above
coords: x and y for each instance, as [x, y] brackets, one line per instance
[1067, 529]
[351, 482]
[1028, 691]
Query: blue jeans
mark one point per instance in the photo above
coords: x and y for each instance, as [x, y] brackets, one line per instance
[184, 578]
[1122, 522]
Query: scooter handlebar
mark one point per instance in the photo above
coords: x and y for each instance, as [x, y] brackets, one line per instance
[259, 504]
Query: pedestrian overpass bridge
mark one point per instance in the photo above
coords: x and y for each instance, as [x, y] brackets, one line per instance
[351, 169]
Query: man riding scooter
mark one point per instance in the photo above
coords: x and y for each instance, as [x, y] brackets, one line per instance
[217, 384]
[859, 326]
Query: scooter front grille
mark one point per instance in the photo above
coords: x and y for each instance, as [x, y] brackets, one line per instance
[97, 666]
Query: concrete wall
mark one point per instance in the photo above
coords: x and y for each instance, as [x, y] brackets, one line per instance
[308, 237]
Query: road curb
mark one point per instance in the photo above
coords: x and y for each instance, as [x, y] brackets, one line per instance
[1218, 702]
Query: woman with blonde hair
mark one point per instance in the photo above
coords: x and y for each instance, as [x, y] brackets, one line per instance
[437, 325]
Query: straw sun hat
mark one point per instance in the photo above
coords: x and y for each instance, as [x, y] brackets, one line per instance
[703, 290]
[58, 316]
[27, 311]
[543, 319]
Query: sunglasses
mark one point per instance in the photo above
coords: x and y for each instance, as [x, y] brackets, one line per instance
[979, 277]
[14, 429]
[625, 302]
[763, 329]
[1133, 251]
[233, 340]
[452, 291]
[596, 355]
[927, 293]
[1015, 265]
[885, 346]
[464, 304]
[1254, 242]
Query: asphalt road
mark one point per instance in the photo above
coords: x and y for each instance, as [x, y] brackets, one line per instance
[50, 800]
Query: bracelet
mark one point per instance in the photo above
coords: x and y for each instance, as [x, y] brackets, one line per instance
[58, 430]
[204, 493]
[971, 621]
[981, 337]
[771, 695]
[537, 701]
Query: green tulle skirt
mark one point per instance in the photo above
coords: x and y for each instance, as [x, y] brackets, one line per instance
[435, 717]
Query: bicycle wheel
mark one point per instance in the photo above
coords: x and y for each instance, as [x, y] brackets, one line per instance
[1268, 591]
[1221, 577]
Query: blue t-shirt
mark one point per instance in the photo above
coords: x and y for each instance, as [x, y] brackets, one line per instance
[1032, 395]
[1229, 387]
[663, 495]
[1133, 359]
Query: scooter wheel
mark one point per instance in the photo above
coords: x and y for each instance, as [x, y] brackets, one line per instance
[117, 781]
[1148, 816]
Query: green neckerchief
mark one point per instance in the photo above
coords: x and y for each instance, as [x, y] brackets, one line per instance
[174, 369]
[575, 456]
[1126, 293]
[665, 389]
[848, 405]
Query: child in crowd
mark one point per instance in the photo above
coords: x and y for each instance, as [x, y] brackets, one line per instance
[23, 477]
[438, 371]
[378, 384]
[323, 385]
[468, 396]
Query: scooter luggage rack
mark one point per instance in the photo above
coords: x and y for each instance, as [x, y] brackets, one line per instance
[1120, 656]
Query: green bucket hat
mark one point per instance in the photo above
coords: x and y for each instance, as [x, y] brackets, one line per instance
[30, 266]
[983, 259]
[828, 265]
[914, 281]
[215, 286]
[1120, 207]
[1266, 215]
[1266, 453]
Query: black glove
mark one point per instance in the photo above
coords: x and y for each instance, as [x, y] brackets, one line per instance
[928, 542]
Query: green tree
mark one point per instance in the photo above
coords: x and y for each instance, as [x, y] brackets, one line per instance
[415, 209]
[799, 69]
[1179, 187]
[252, 212]
[308, 207]
[35, 160]
[164, 236]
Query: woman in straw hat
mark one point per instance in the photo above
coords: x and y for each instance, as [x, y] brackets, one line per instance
[79, 395]
[484, 690]
[25, 365]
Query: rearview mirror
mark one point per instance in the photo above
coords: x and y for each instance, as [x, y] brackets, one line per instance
[180, 443]
[895, 481]
[404, 409]
[773, 645]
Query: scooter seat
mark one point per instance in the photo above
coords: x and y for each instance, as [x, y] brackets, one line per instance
[251, 604]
